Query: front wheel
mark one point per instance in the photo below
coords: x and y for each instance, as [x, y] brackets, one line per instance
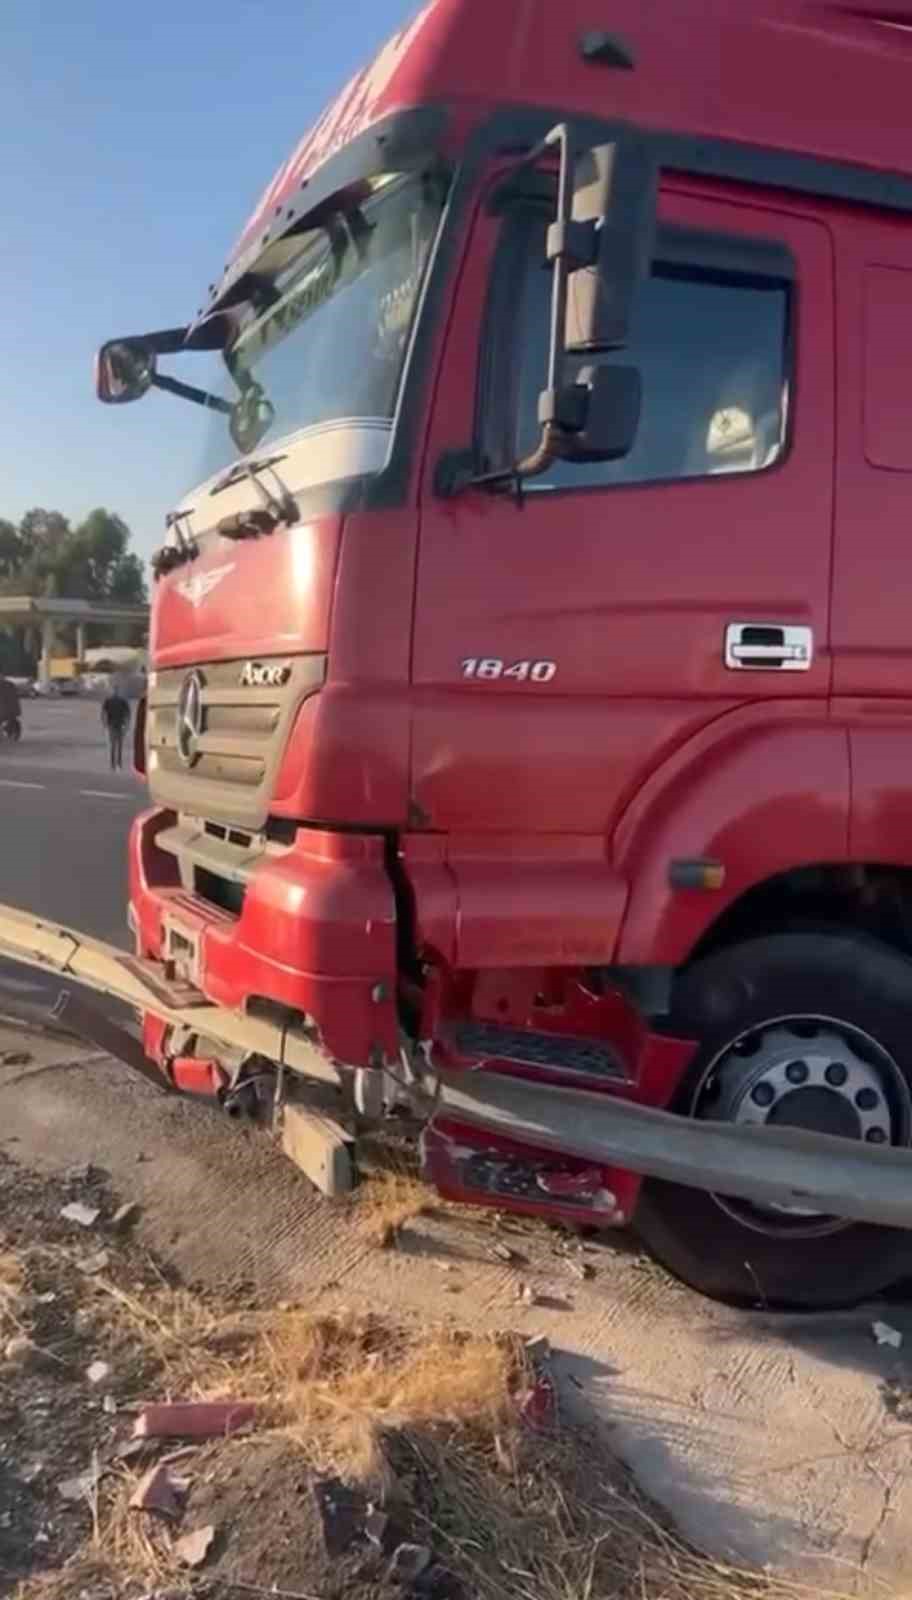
[801, 1030]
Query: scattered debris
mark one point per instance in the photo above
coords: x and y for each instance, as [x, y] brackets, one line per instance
[86, 1216]
[19, 1351]
[92, 1265]
[194, 1547]
[109, 1405]
[99, 1372]
[125, 1216]
[342, 1515]
[527, 1295]
[376, 1524]
[581, 1269]
[504, 1252]
[408, 1563]
[538, 1406]
[194, 1419]
[46, 1299]
[159, 1492]
[897, 1397]
[884, 1334]
[538, 1349]
[79, 1488]
[16, 1058]
[133, 1450]
[84, 1173]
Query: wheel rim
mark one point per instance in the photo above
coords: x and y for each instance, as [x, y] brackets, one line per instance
[808, 1072]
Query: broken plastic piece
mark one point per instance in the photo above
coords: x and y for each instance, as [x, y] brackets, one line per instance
[194, 1419]
[194, 1547]
[86, 1216]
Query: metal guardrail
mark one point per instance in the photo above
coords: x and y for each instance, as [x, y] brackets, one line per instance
[769, 1165]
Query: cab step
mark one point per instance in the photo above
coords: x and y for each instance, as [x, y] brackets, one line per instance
[488, 1042]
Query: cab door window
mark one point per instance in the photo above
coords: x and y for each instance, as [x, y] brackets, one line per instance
[711, 337]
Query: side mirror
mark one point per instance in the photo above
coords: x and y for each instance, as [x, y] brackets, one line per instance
[124, 371]
[599, 249]
[609, 242]
[599, 414]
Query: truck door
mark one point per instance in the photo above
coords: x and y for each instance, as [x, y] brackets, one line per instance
[571, 634]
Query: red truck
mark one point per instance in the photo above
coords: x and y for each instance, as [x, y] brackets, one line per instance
[532, 672]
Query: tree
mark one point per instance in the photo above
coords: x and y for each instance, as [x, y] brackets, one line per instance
[46, 556]
[12, 550]
[128, 581]
[44, 531]
[99, 549]
[43, 535]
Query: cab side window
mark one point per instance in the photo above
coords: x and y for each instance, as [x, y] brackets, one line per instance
[712, 340]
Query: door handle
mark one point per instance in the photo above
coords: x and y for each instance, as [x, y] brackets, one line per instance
[768, 647]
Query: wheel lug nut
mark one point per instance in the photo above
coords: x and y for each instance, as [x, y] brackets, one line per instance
[763, 1094]
[866, 1099]
[836, 1074]
[797, 1072]
[876, 1136]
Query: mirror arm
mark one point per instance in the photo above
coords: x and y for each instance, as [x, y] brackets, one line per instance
[188, 391]
[568, 244]
[540, 459]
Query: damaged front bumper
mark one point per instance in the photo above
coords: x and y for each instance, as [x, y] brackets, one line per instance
[313, 938]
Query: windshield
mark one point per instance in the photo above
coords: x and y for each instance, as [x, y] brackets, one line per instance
[327, 336]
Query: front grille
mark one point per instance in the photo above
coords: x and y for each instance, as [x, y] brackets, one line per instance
[228, 770]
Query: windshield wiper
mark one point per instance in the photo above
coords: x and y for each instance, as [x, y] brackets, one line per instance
[174, 555]
[238, 472]
[276, 509]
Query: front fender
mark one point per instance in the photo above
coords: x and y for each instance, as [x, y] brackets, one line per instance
[759, 796]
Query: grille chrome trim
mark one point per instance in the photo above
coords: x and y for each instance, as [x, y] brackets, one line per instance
[242, 739]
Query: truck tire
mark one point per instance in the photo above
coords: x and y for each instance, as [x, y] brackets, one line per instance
[810, 1030]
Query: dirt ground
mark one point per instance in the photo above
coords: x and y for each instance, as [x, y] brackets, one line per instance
[386, 1459]
[766, 1441]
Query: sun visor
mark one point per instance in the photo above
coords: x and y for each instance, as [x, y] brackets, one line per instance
[399, 142]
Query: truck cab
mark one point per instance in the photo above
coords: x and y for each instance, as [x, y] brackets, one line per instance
[530, 679]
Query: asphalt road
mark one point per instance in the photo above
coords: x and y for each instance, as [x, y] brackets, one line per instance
[64, 822]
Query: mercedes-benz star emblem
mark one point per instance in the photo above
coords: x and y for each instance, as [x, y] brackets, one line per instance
[189, 717]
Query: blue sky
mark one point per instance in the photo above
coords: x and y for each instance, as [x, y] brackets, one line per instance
[138, 138]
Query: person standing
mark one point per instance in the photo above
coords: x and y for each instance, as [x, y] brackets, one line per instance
[115, 715]
[10, 709]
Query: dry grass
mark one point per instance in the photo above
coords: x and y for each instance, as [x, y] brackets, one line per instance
[194, 1352]
[425, 1417]
[387, 1202]
[131, 1545]
[553, 1518]
[12, 1289]
[341, 1385]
